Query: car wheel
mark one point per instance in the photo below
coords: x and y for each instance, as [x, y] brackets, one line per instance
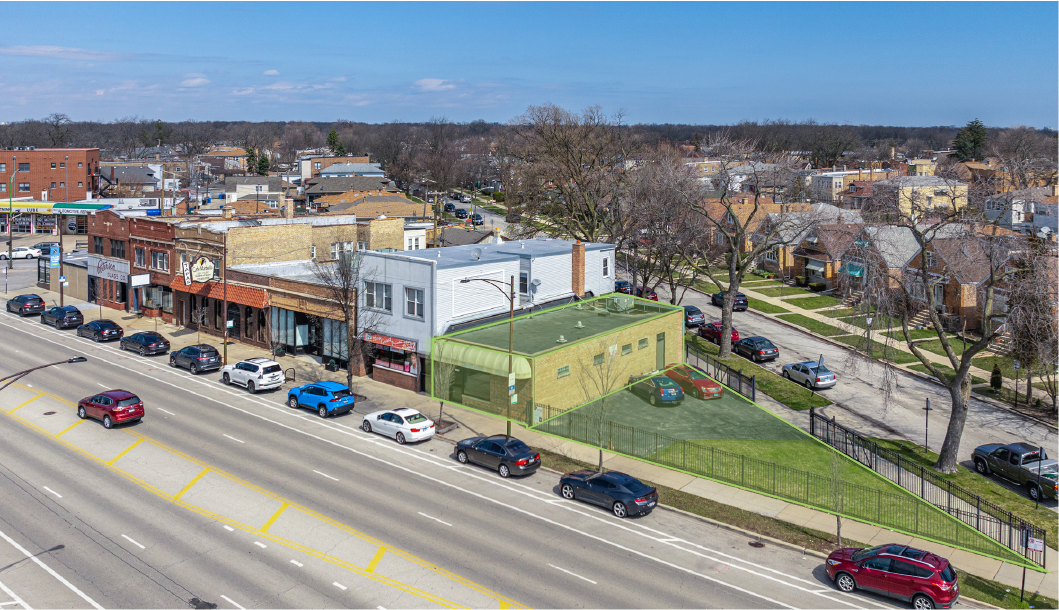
[365, 426]
[503, 471]
[143, 352]
[81, 412]
[461, 457]
[1035, 492]
[619, 510]
[97, 338]
[400, 438]
[250, 387]
[42, 320]
[654, 401]
[567, 491]
[786, 375]
[172, 361]
[845, 583]
[225, 379]
[981, 467]
[808, 384]
[292, 402]
[322, 411]
[922, 602]
[107, 423]
[21, 313]
[194, 369]
[696, 394]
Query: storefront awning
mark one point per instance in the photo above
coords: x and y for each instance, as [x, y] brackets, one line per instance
[243, 295]
[853, 270]
[814, 265]
[487, 361]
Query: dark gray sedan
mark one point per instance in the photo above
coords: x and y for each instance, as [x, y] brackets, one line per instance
[501, 453]
[145, 343]
[757, 349]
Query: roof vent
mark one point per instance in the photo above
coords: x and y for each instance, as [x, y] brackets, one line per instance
[560, 339]
[476, 254]
[579, 324]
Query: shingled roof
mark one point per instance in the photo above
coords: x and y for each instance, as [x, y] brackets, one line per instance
[334, 186]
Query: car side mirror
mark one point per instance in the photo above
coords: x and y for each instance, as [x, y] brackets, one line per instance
[378, 417]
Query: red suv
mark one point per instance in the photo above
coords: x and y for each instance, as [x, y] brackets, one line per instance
[898, 571]
[712, 332]
[113, 407]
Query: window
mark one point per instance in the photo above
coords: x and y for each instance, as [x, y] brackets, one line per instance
[335, 250]
[62, 185]
[216, 268]
[80, 164]
[23, 187]
[53, 166]
[932, 259]
[642, 344]
[3, 168]
[413, 299]
[523, 282]
[361, 245]
[62, 165]
[377, 296]
[772, 254]
[80, 184]
[3, 187]
[117, 248]
[139, 257]
[312, 251]
[597, 360]
[217, 322]
[52, 185]
[626, 349]
[97, 245]
[564, 371]
[606, 267]
[416, 243]
[23, 167]
[160, 260]
[316, 165]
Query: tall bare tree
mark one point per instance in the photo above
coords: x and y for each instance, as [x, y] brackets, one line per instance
[342, 280]
[598, 380]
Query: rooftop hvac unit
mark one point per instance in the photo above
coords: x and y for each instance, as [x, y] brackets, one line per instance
[619, 304]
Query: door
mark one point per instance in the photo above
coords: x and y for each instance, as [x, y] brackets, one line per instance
[872, 574]
[383, 425]
[901, 579]
[234, 321]
[939, 296]
[489, 454]
[598, 492]
[660, 351]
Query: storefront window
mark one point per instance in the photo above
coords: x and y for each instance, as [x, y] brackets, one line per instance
[43, 271]
[334, 340]
[261, 325]
[248, 319]
[396, 359]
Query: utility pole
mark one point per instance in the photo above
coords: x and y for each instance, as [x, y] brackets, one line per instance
[11, 211]
[59, 232]
[224, 279]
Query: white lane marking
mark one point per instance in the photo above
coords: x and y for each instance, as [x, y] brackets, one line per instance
[102, 386]
[50, 571]
[354, 432]
[297, 563]
[572, 574]
[325, 475]
[264, 546]
[9, 603]
[29, 385]
[235, 439]
[343, 587]
[229, 528]
[164, 411]
[11, 594]
[49, 489]
[133, 541]
[229, 600]
[436, 519]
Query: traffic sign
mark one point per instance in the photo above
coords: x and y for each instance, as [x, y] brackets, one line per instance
[62, 278]
[1015, 364]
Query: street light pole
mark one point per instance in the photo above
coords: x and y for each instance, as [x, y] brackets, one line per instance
[19, 375]
[59, 232]
[926, 426]
[11, 211]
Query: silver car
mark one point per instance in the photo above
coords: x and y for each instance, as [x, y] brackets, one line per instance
[812, 375]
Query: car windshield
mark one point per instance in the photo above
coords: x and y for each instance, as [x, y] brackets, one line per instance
[948, 574]
[818, 369]
[341, 393]
[273, 368]
[665, 382]
[865, 553]
[415, 419]
[764, 344]
[207, 353]
[128, 402]
[696, 373]
[692, 310]
[518, 446]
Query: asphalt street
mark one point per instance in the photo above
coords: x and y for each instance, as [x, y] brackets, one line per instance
[236, 500]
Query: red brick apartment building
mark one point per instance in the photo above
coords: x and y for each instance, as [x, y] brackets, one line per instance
[49, 174]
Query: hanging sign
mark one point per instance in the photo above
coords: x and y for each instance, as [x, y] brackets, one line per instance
[202, 270]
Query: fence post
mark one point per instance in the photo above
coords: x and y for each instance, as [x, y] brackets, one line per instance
[978, 517]
[812, 421]
[950, 496]
[684, 454]
[773, 478]
[753, 388]
[742, 470]
[807, 483]
[899, 470]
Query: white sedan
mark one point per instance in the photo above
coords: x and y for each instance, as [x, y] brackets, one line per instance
[20, 252]
[812, 375]
[403, 424]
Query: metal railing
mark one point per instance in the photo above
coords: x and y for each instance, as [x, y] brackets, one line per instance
[988, 518]
[745, 385]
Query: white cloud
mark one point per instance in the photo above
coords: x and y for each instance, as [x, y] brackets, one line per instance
[194, 80]
[338, 79]
[99, 92]
[434, 84]
[62, 53]
[271, 72]
[362, 103]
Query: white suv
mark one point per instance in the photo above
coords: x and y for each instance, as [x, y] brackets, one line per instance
[254, 373]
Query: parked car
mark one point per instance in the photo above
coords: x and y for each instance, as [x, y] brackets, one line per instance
[100, 330]
[196, 358]
[1022, 463]
[757, 349]
[111, 407]
[461, 213]
[657, 389]
[619, 492]
[741, 302]
[693, 316]
[651, 294]
[25, 304]
[44, 247]
[325, 397]
[812, 375]
[501, 453]
[144, 343]
[898, 571]
[254, 373]
[465, 199]
[450, 207]
[623, 287]
[62, 317]
[477, 219]
[693, 380]
[712, 332]
[20, 252]
[403, 424]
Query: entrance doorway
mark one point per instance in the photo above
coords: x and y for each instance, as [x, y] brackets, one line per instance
[233, 321]
[660, 351]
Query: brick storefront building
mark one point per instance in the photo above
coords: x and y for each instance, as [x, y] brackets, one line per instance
[50, 174]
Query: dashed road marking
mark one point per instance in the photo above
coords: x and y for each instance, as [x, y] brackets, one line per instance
[264, 546]
[229, 528]
[57, 576]
[572, 574]
[164, 411]
[133, 541]
[229, 600]
[325, 475]
[50, 490]
[297, 563]
[234, 439]
[436, 519]
[343, 587]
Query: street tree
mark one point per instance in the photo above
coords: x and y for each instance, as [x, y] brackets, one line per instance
[439, 157]
[607, 373]
[1031, 321]
[332, 140]
[970, 141]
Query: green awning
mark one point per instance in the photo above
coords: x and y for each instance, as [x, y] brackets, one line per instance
[814, 265]
[853, 270]
[484, 360]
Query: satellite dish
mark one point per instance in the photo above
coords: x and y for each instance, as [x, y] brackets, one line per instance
[476, 253]
[536, 282]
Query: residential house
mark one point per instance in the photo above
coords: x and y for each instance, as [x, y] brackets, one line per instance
[818, 256]
[460, 236]
[374, 206]
[310, 166]
[233, 156]
[348, 170]
[789, 230]
[922, 193]
[1029, 211]
[348, 188]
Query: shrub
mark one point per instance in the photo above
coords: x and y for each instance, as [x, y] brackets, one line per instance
[801, 280]
[817, 286]
[996, 378]
[498, 197]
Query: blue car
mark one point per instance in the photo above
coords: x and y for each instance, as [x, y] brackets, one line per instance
[658, 390]
[324, 397]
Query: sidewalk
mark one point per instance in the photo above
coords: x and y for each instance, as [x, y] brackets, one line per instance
[381, 396]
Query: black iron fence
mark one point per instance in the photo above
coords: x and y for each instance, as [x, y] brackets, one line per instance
[991, 520]
[736, 380]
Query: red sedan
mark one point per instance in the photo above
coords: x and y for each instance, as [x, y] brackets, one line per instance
[695, 381]
[712, 332]
[112, 407]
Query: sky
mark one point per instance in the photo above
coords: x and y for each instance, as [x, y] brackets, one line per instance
[906, 63]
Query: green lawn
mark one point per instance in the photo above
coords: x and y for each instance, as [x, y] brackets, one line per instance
[766, 307]
[1007, 395]
[495, 209]
[935, 347]
[814, 325]
[1007, 368]
[999, 594]
[755, 283]
[838, 313]
[923, 333]
[818, 302]
[877, 323]
[986, 487]
[946, 370]
[879, 350]
[781, 291]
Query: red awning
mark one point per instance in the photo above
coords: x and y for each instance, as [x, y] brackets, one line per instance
[237, 293]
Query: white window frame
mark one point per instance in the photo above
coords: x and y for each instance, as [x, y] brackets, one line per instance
[374, 300]
[414, 302]
[606, 266]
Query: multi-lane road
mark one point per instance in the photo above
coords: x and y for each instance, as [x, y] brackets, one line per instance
[221, 497]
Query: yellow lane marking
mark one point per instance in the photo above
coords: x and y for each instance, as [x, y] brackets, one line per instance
[374, 563]
[27, 402]
[275, 515]
[72, 426]
[124, 451]
[503, 601]
[191, 483]
[504, 605]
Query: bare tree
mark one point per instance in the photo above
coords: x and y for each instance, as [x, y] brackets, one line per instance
[440, 156]
[838, 489]
[58, 129]
[1031, 321]
[199, 316]
[598, 380]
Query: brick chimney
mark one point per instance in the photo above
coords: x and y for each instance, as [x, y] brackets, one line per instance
[288, 208]
[577, 262]
[226, 212]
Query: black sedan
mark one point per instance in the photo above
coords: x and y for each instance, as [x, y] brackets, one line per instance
[502, 453]
[100, 330]
[623, 287]
[26, 304]
[477, 219]
[145, 343]
[461, 213]
[757, 349]
[621, 494]
[741, 302]
[62, 317]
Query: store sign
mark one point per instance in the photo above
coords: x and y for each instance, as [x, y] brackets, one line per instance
[140, 279]
[108, 268]
[185, 268]
[401, 344]
[53, 257]
[202, 270]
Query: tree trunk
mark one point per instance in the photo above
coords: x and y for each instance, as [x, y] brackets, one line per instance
[1029, 386]
[838, 528]
[601, 459]
[725, 340]
[950, 448]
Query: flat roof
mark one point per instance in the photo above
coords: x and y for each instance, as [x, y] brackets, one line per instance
[463, 256]
[538, 333]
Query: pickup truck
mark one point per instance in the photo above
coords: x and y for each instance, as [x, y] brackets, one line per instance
[1022, 463]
